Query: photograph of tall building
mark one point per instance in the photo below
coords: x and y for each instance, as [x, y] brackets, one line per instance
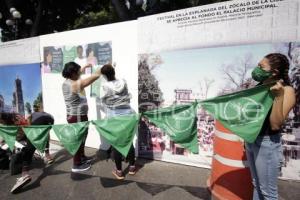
[18, 101]
[20, 86]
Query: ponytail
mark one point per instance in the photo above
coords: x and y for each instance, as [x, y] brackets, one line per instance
[280, 63]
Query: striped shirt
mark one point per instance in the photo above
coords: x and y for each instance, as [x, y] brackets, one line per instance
[76, 103]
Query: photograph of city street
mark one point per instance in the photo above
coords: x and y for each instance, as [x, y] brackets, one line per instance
[163, 82]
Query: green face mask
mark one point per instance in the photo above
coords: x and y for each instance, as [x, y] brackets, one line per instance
[260, 75]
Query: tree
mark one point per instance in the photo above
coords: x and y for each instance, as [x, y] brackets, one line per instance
[28, 108]
[38, 101]
[48, 16]
[95, 19]
[237, 74]
[150, 95]
[94, 13]
[294, 55]
[132, 9]
[205, 85]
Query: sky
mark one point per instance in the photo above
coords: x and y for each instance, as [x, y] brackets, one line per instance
[184, 69]
[30, 75]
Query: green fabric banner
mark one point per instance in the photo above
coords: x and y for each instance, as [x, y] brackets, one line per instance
[118, 131]
[242, 112]
[71, 135]
[38, 135]
[8, 133]
[179, 122]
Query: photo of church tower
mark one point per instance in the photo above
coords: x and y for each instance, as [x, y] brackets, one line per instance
[18, 101]
[20, 86]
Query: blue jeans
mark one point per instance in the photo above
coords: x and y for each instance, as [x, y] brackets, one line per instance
[265, 157]
[118, 112]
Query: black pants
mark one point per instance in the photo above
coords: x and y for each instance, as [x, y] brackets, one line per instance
[27, 154]
[118, 157]
[47, 145]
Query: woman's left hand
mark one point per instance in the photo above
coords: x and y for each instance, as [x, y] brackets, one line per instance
[88, 65]
[278, 88]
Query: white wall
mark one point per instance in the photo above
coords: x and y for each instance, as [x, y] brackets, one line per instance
[277, 24]
[20, 51]
[124, 53]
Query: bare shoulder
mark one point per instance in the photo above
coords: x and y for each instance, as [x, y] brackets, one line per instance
[76, 85]
[289, 90]
[289, 96]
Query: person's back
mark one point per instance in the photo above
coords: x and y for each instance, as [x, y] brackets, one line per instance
[77, 107]
[115, 94]
[41, 118]
[76, 103]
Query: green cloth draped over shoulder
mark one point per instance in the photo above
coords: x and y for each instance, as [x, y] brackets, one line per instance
[243, 112]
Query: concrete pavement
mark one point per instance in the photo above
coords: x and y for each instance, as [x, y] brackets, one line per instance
[154, 180]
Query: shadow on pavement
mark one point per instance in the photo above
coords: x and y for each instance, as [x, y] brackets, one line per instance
[80, 176]
[154, 188]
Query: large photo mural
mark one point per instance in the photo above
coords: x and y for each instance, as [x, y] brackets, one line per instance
[184, 76]
[94, 54]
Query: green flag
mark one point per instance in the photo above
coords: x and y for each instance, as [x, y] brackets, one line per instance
[118, 131]
[242, 112]
[38, 135]
[179, 122]
[9, 133]
[71, 135]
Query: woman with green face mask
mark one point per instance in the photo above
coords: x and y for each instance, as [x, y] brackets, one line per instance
[265, 153]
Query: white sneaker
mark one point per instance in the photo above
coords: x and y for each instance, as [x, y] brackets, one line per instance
[82, 167]
[23, 180]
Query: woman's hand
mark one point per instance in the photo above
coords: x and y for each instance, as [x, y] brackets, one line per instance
[84, 67]
[87, 81]
[88, 65]
[98, 71]
[278, 88]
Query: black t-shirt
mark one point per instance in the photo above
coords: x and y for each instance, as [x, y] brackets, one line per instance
[266, 128]
[41, 118]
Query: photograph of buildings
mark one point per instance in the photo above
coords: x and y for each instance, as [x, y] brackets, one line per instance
[20, 88]
[183, 76]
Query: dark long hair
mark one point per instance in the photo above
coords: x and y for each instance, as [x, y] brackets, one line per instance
[70, 68]
[109, 71]
[89, 50]
[280, 62]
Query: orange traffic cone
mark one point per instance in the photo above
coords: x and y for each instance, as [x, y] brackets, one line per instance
[230, 177]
